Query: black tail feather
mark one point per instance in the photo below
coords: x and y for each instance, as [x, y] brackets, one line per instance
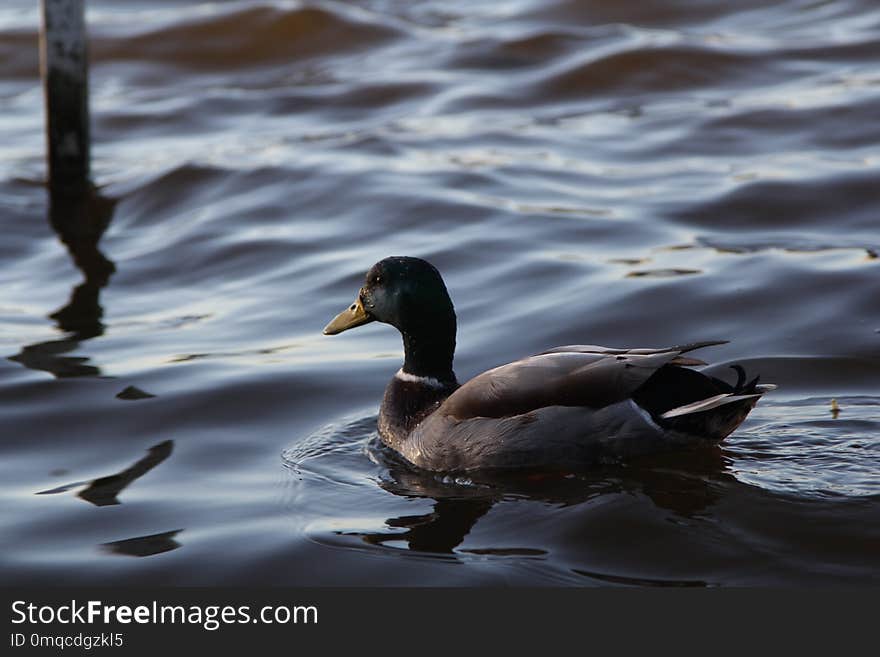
[671, 387]
[740, 377]
[751, 385]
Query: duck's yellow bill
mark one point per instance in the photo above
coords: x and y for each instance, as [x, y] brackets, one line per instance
[353, 316]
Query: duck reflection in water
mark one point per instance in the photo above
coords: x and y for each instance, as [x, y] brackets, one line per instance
[79, 218]
[687, 485]
[105, 491]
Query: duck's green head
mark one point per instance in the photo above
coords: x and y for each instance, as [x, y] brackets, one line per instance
[407, 293]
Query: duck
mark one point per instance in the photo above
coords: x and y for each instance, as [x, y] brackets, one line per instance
[562, 410]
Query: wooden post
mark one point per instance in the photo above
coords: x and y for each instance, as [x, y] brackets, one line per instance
[64, 67]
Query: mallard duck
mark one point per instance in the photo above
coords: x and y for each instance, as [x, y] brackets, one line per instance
[561, 410]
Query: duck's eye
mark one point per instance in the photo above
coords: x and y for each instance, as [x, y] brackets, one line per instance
[377, 280]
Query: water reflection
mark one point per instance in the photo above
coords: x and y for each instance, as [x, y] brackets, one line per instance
[79, 219]
[686, 485]
[440, 531]
[144, 546]
[640, 581]
[105, 491]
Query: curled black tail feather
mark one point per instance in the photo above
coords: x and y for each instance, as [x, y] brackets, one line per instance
[697, 404]
[740, 377]
[741, 387]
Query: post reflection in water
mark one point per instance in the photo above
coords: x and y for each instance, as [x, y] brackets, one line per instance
[144, 546]
[79, 218]
[105, 491]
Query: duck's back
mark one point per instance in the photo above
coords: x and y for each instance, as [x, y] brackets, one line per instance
[572, 407]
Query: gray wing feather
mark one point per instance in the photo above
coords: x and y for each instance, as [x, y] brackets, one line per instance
[558, 378]
[596, 349]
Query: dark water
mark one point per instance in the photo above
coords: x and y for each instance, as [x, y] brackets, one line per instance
[633, 174]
